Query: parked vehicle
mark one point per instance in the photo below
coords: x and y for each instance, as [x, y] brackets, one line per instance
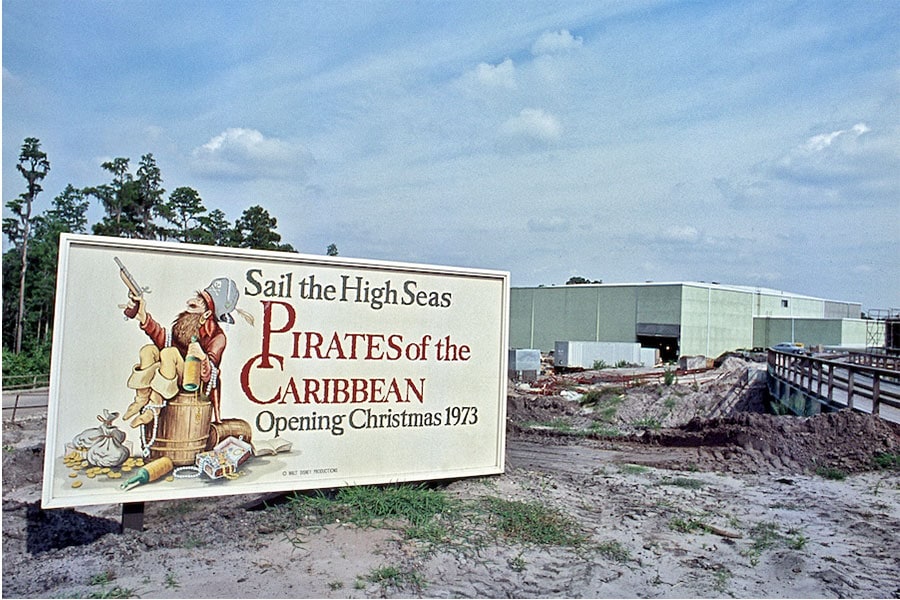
[791, 347]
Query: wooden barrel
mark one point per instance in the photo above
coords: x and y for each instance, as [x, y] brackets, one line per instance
[183, 428]
[228, 427]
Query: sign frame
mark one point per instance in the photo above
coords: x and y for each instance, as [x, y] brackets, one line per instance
[375, 371]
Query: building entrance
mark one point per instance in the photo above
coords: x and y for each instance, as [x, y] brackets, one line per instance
[667, 346]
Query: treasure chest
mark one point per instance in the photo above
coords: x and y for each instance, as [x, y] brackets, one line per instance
[225, 458]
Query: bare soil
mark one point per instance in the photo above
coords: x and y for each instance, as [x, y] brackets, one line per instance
[681, 490]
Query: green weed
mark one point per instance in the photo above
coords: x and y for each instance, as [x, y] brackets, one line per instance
[647, 423]
[393, 576]
[193, 542]
[599, 429]
[721, 577]
[113, 592]
[763, 536]
[517, 563]
[614, 550]
[831, 473]
[532, 523]
[686, 525]
[684, 482]
[886, 460]
[669, 377]
[171, 582]
[605, 401]
[104, 579]
[633, 469]
[368, 506]
[101, 578]
[796, 540]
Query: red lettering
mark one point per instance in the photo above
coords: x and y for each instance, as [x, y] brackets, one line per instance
[268, 330]
[373, 346]
[341, 390]
[418, 391]
[336, 345]
[359, 389]
[311, 391]
[317, 346]
[245, 380]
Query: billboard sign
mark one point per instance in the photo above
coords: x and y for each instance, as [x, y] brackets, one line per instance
[184, 371]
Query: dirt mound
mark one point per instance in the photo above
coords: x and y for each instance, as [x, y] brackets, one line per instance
[716, 419]
[845, 441]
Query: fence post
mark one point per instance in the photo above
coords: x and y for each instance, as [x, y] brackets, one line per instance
[876, 392]
[850, 374]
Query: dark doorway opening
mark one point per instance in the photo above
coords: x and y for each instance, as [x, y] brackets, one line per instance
[667, 346]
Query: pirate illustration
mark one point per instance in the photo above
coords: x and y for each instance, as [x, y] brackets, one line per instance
[186, 356]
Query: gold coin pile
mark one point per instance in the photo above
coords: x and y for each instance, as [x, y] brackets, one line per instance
[75, 461]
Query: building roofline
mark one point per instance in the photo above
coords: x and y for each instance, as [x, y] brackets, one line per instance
[701, 284]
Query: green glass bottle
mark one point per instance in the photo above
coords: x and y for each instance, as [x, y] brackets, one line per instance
[191, 379]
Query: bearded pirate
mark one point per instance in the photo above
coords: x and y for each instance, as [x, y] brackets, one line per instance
[157, 377]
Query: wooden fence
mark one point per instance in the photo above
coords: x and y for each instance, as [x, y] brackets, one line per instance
[837, 383]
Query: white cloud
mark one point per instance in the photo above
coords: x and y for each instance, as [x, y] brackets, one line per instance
[819, 142]
[553, 42]
[502, 75]
[247, 154]
[533, 124]
[853, 165]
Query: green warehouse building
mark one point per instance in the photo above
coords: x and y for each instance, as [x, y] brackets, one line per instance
[683, 318]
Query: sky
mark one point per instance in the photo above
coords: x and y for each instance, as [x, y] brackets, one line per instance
[747, 143]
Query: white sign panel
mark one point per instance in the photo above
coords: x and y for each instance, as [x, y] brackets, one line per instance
[184, 371]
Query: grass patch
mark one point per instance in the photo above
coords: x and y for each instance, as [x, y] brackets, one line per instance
[428, 517]
[763, 536]
[391, 576]
[796, 540]
[600, 429]
[684, 482]
[886, 460]
[832, 473]
[614, 550]
[532, 523]
[669, 377]
[171, 582]
[193, 542]
[517, 563]
[101, 578]
[682, 525]
[104, 579]
[605, 401]
[368, 506]
[721, 577]
[647, 423]
[633, 469]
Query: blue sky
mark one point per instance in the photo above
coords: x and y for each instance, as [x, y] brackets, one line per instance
[750, 143]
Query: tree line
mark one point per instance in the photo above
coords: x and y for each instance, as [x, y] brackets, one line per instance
[135, 206]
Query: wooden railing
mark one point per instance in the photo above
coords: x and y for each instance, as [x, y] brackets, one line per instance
[840, 383]
[26, 382]
[882, 361]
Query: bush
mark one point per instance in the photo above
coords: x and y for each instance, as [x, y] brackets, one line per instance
[26, 365]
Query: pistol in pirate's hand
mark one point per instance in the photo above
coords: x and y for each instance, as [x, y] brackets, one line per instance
[137, 303]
